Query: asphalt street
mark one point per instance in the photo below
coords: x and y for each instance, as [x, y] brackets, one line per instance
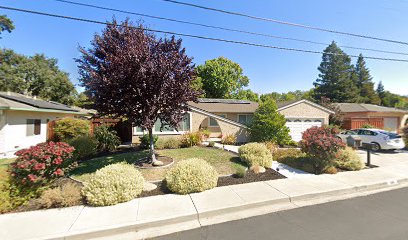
[378, 216]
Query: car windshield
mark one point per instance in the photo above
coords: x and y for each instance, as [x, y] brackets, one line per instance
[390, 134]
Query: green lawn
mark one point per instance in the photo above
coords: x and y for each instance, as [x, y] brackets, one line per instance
[225, 162]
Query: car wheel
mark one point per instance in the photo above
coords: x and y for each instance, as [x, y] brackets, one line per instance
[376, 146]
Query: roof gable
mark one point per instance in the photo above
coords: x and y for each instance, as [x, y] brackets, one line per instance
[288, 104]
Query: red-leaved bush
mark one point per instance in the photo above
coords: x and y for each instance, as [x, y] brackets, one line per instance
[321, 144]
[42, 163]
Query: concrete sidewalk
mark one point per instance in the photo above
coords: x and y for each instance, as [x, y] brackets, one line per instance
[160, 215]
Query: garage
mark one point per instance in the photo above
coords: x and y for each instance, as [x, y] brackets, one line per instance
[298, 126]
[301, 115]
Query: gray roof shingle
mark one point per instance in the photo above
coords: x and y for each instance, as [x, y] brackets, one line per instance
[225, 105]
[363, 107]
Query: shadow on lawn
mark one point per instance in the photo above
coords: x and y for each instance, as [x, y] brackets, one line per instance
[94, 164]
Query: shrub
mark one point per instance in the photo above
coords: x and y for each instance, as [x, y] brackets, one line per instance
[211, 144]
[113, 184]
[191, 175]
[145, 141]
[348, 159]
[321, 144]
[282, 155]
[66, 195]
[68, 128]
[255, 154]
[240, 172]
[107, 138]
[367, 125]
[5, 200]
[205, 132]
[229, 139]
[85, 146]
[269, 125]
[168, 143]
[42, 163]
[271, 146]
[191, 139]
[405, 135]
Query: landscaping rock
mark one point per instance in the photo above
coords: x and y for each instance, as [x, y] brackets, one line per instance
[157, 163]
[147, 186]
[258, 169]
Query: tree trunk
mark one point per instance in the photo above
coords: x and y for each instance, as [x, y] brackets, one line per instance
[152, 155]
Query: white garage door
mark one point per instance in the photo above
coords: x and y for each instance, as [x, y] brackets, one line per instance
[298, 126]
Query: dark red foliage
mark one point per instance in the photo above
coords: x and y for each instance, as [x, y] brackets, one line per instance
[42, 163]
[133, 75]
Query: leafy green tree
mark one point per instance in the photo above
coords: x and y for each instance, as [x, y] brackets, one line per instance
[36, 75]
[364, 83]
[221, 78]
[335, 79]
[246, 94]
[6, 24]
[269, 125]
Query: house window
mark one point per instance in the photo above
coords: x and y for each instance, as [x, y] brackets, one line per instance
[213, 122]
[184, 126]
[245, 118]
[33, 127]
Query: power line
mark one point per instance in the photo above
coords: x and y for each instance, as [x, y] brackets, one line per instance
[194, 36]
[286, 23]
[222, 28]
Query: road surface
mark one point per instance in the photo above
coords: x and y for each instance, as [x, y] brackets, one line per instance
[379, 216]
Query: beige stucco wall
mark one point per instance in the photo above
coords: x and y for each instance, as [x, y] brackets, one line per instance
[13, 129]
[305, 110]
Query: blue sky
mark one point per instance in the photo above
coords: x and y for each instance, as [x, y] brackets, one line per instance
[268, 69]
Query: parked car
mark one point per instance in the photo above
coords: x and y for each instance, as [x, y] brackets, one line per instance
[381, 139]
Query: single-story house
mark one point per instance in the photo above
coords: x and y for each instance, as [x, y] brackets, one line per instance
[230, 116]
[24, 120]
[387, 118]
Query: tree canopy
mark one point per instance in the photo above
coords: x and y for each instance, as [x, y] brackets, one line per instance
[221, 78]
[6, 24]
[132, 74]
[36, 75]
[335, 79]
[364, 83]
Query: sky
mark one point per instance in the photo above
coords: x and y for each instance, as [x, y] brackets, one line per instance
[268, 69]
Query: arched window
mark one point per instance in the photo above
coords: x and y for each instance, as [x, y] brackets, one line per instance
[288, 120]
[317, 120]
[307, 120]
[297, 120]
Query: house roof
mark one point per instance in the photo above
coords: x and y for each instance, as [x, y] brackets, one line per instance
[16, 101]
[288, 104]
[363, 107]
[213, 105]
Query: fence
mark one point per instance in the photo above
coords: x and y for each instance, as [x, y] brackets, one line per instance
[353, 123]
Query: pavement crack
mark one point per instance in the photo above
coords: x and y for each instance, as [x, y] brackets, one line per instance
[79, 214]
[195, 207]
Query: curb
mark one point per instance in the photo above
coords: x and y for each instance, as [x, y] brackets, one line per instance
[143, 230]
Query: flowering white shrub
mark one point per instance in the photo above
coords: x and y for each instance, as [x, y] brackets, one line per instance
[256, 154]
[113, 184]
[348, 159]
[191, 175]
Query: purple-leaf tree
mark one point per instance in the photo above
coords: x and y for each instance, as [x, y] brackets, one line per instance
[132, 74]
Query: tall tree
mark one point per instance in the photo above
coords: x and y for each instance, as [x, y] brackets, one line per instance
[335, 78]
[36, 75]
[6, 24]
[364, 83]
[221, 78]
[380, 91]
[133, 75]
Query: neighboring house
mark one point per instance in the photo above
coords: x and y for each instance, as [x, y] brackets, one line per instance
[358, 114]
[230, 116]
[23, 121]
[303, 114]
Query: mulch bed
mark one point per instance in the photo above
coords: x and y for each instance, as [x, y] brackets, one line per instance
[145, 162]
[250, 176]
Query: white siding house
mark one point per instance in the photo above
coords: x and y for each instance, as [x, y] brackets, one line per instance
[23, 121]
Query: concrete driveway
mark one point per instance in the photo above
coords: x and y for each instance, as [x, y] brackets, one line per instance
[386, 158]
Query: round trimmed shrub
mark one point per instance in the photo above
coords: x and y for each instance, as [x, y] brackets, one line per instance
[348, 159]
[113, 184]
[255, 154]
[68, 128]
[191, 175]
